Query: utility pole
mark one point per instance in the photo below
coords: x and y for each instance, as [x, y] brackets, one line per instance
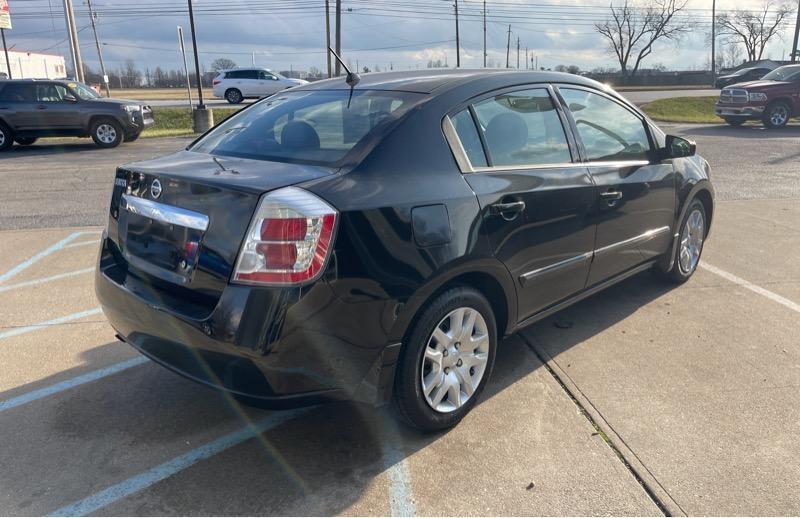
[484, 33]
[338, 34]
[517, 52]
[93, 18]
[202, 117]
[713, 42]
[458, 49]
[526, 58]
[254, 59]
[328, 34]
[5, 49]
[794, 55]
[74, 46]
[508, 45]
[185, 66]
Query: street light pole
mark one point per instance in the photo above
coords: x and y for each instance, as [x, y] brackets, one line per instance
[185, 66]
[201, 105]
[338, 34]
[484, 33]
[93, 18]
[508, 45]
[74, 46]
[328, 34]
[794, 55]
[5, 49]
[713, 42]
[458, 46]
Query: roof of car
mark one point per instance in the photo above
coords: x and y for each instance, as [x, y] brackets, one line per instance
[430, 80]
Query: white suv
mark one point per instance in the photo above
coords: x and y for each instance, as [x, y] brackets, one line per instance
[240, 83]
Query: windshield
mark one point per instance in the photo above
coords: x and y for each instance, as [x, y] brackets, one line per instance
[787, 73]
[306, 126]
[83, 91]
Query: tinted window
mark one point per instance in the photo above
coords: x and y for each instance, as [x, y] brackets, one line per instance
[522, 128]
[314, 127]
[241, 74]
[470, 140]
[608, 130]
[17, 92]
[263, 74]
[50, 93]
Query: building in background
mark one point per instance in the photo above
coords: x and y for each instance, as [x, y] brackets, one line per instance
[36, 65]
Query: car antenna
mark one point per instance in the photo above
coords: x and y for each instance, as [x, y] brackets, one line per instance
[352, 78]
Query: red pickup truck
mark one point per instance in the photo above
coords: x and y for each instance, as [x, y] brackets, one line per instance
[773, 99]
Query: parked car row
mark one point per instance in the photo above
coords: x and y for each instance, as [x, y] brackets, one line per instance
[774, 99]
[31, 108]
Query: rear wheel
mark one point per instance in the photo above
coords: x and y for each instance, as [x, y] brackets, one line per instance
[447, 361]
[234, 96]
[25, 141]
[107, 133]
[692, 235]
[6, 137]
[777, 115]
[734, 121]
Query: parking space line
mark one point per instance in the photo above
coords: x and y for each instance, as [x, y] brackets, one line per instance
[172, 467]
[41, 255]
[33, 395]
[400, 501]
[34, 282]
[16, 331]
[794, 306]
[82, 243]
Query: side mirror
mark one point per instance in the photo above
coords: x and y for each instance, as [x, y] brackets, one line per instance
[677, 147]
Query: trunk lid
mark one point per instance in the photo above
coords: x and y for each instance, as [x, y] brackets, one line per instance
[178, 221]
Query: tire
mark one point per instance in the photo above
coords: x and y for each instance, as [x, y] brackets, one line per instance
[107, 133]
[132, 137]
[25, 141]
[6, 137]
[733, 121]
[777, 115]
[693, 234]
[448, 391]
[233, 96]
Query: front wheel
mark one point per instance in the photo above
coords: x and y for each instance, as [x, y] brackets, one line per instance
[777, 115]
[6, 137]
[107, 133]
[447, 360]
[234, 96]
[693, 230]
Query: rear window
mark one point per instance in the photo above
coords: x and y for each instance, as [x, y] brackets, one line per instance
[314, 127]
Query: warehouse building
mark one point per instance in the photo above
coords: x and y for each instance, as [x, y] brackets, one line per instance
[38, 65]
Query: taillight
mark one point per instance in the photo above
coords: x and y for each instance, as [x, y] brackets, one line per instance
[215, 82]
[288, 241]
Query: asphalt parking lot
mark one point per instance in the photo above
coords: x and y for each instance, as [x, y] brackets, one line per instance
[643, 400]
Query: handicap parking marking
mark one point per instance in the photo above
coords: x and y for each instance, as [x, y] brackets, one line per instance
[16, 331]
[752, 287]
[41, 255]
[176, 465]
[70, 383]
[42, 280]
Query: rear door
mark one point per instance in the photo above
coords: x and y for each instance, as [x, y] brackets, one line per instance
[636, 192]
[536, 198]
[17, 105]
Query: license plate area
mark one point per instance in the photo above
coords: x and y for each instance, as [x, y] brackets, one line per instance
[160, 239]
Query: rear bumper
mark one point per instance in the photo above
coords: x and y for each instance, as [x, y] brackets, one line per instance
[281, 347]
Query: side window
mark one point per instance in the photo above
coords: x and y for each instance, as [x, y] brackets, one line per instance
[250, 74]
[522, 128]
[608, 130]
[49, 93]
[264, 75]
[17, 93]
[470, 140]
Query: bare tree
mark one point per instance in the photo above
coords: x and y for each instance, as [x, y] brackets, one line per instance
[754, 29]
[222, 64]
[632, 30]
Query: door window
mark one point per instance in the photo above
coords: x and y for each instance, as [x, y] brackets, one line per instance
[609, 131]
[522, 128]
[50, 93]
[266, 76]
[470, 140]
[18, 93]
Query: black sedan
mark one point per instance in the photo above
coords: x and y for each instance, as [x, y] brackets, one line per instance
[375, 243]
[741, 76]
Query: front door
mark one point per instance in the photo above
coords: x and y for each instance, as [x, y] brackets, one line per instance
[56, 108]
[636, 192]
[536, 200]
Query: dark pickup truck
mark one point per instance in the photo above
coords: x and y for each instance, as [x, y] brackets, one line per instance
[32, 108]
[774, 99]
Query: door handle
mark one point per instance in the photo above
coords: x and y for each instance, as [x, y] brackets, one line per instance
[41, 107]
[611, 196]
[509, 211]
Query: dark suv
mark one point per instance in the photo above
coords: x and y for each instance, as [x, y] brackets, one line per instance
[30, 109]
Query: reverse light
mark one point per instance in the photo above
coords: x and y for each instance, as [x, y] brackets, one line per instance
[288, 241]
[756, 96]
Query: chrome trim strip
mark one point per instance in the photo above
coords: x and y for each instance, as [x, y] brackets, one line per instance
[455, 146]
[641, 238]
[165, 213]
[529, 276]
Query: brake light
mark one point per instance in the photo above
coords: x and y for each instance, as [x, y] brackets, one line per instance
[288, 241]
[215, 82]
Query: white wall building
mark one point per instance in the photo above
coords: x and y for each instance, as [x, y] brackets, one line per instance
[27, 65]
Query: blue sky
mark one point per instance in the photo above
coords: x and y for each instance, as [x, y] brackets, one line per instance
[291, 33]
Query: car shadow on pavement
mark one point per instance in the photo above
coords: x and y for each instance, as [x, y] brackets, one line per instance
[44, 148]
[321, 462]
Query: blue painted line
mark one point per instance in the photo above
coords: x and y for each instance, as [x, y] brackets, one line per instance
[42, 280]
[172, 467]
[36, 258]
[81, 243]
[400, 500]
[50, 390]
[16, 331]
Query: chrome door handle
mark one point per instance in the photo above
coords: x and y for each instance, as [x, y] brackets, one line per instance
[509, 211]
[611, 195]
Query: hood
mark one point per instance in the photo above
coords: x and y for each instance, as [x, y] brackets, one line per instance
[760, 84]
[118, 102]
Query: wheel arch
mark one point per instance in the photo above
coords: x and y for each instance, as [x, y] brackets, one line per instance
[98, 116]
[704, 192]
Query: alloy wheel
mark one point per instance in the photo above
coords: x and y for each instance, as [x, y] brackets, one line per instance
[2, 138]
[692, 242]
[106, 133]
[455, 359]
[779, 115]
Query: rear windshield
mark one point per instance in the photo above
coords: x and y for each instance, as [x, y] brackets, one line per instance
[314, 127]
